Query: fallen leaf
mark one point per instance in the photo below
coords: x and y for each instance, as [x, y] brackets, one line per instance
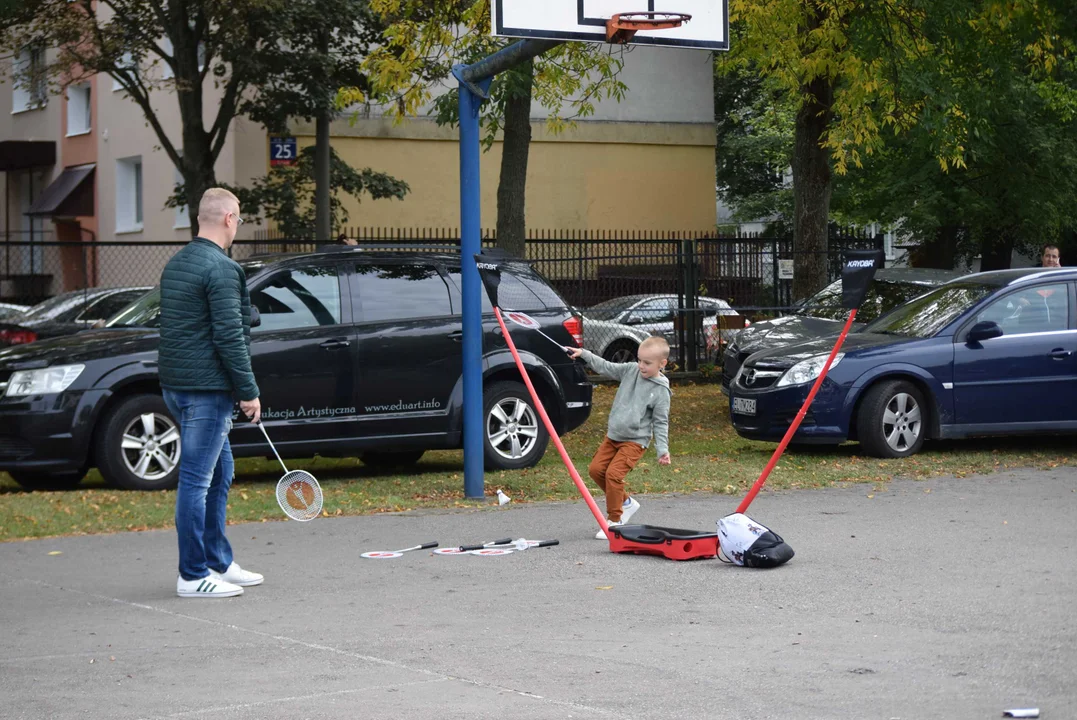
[604, 587]
[870, 497]
[55, 552]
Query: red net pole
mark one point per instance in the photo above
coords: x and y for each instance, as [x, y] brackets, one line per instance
[796, 421]
[550, 429]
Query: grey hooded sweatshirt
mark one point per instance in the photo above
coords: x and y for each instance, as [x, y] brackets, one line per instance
[641, 406]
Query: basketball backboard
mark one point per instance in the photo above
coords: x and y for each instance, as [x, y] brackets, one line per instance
[586, 20]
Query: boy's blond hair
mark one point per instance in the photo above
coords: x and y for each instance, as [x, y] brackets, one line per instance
[658, 344]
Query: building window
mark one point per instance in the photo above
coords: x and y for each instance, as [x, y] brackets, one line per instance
[129, 194]
[31, 86]
[183, 220]
[78, 109]
[127, 62]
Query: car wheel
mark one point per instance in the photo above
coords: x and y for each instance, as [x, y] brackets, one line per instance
[515, 436]
[47, 481]
[890, 423]
[138, 446]
[621, 351]
[391, 459]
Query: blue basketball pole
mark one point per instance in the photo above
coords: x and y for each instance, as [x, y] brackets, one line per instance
[474, 89]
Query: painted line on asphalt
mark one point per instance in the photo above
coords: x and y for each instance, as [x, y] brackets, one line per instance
[438, 676]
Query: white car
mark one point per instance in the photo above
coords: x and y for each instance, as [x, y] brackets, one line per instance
[612, 341]
[8, 309]
[654, 315]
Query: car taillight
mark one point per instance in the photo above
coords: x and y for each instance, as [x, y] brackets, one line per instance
[574, 325]
[17, 337]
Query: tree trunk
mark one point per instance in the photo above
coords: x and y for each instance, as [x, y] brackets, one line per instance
[198, 169]
[512, 187]
[997, 252]
[323, 222]
[811, 190]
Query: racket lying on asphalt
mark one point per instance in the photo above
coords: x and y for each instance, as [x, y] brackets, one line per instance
[465, 549]
[386, 554]
[298, 492]
[526, 321]
[507, 548]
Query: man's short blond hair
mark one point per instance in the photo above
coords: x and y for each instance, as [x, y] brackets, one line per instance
[657, 344]
[215, 204]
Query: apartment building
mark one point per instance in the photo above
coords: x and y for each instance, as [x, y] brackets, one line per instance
[85, 166]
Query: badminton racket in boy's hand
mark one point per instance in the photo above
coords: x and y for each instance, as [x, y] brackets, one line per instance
[298, 492]
[526, 321]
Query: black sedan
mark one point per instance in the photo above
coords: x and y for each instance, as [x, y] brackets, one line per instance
[67, 314]
[822, 315]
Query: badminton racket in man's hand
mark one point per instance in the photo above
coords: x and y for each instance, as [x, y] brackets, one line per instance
[298, 492]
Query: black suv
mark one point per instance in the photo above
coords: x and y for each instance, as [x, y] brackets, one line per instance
[356, 353]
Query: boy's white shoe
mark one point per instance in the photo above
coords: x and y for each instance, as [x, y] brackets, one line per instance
[629, 509]
[210, 586]
[238, 576]
[602, 536]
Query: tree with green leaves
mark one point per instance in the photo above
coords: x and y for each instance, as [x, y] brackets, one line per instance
[425, 38]
[860, 73]
[754, 148]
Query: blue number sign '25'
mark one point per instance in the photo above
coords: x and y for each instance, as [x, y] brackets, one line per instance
[283, 151]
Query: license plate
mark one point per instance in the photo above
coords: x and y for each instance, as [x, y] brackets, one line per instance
[744, 406]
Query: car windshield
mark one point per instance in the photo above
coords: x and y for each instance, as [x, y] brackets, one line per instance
[142, 313]
[930, 313]
[882, 297]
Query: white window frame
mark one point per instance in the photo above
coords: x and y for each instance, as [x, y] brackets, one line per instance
[79, 109]
[129, 195]
[30, 60]
[127, 61]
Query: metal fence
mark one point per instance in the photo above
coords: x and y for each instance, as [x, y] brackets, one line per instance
[692, 288]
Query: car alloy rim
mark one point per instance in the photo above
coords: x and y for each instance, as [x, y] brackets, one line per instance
[512, 428]
[622, 355]
[902, 422]
[151, 446]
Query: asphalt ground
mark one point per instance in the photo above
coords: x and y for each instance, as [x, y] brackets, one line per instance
[945, 598]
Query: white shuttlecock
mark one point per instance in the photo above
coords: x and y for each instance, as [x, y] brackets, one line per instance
[502, 498]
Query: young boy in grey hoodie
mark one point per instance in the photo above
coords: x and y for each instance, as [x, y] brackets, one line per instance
[640, 409]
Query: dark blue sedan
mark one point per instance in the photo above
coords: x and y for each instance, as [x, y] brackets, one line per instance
[993, 353]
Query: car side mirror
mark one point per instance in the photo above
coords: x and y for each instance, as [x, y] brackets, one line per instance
[984, 331]
[256, 317]
[634, 319]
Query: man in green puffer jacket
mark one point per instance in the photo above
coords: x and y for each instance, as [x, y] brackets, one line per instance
[204, 365]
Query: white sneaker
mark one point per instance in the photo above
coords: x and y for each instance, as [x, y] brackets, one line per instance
[602, 536]
[210, 586]
[629, 509]
[238, 576]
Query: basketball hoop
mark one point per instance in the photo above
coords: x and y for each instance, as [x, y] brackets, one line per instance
[622, 27]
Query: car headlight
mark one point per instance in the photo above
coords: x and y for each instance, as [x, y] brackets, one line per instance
[808, 370]
[45, 381]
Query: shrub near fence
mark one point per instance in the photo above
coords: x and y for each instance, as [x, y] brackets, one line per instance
[587, 268]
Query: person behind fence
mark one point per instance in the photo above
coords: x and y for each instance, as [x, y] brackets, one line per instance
[640, 409]
[204, 366]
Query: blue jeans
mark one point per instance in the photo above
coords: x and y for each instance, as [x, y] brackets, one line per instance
[205, 477]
